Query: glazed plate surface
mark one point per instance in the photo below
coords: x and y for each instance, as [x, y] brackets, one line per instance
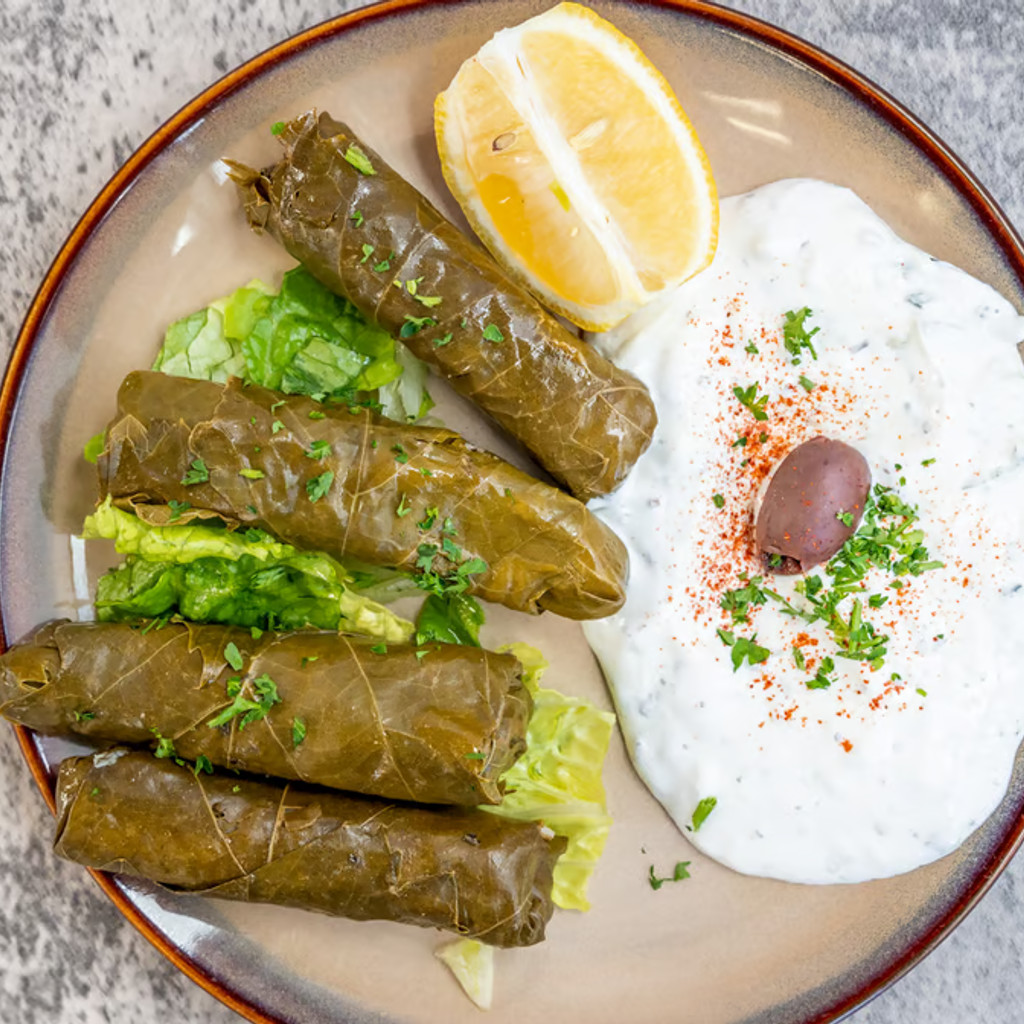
[167, 237]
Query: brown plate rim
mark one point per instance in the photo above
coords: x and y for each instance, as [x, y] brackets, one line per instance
[861, 88]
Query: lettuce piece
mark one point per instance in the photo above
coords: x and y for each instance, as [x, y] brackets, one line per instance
[558, 779]
[210, 574]
[451, 619]
[472, 963]
[303, 339]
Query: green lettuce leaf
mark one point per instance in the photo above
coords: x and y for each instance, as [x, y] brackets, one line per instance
[209, 574]
[304, 340]
[558, 779]
[472, 963]
[451, 619]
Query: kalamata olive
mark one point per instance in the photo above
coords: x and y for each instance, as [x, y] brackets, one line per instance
[812, 506]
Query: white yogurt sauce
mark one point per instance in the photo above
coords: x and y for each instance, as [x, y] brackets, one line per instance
[917, 361]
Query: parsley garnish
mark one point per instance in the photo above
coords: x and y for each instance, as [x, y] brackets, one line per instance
[318, 486]
[795, 335]
[718, 500]
[475, 755]
[401, 455]
[384, 264]
[429, 519]
[251, 474]
[277, 127]
[430, 301]
[748, 397]
[307, 658]
[298, 731]
[415, 324]
[203, 764]
[379, 649]
[197, 473]
[276, 426]
[798, 659]
[359, 160]
[357, 218]
[752, 349]
[928, 462]
[822, 678]
[806, 383]
[402, 509]
[318, 450]
[233, 656]
[177, 507]
[316, 414]
[164, 745]
[439, 342]
[846, 518]
[700, 814]
[740, 442]
[367, 251]
[84, 716]
[679, 873]
[250, 709]
[749, 649]
[493, 333]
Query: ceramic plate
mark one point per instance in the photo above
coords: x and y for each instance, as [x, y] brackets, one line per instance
[166, 236]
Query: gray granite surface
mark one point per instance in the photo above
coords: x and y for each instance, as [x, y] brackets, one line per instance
[83, 82]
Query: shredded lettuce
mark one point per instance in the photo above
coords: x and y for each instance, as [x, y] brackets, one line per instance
[304, 340]
[472, 963]
[558, 779]
[209, 574]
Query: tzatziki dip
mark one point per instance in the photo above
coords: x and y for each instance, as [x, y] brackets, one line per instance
[860, 718]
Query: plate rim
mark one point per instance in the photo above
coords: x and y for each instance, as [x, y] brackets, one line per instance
[860, 87]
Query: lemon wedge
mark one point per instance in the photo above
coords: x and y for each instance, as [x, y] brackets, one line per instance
[577, 167]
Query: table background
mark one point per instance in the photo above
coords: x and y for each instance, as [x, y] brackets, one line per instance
[82, 83]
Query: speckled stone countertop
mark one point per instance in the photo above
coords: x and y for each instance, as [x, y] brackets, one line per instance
[82, 83]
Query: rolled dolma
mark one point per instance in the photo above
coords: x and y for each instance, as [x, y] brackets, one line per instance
[367, 234]
[436, 724]
[349, 483]
[472, 873]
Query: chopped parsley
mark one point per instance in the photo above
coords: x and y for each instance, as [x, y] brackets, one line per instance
[415, 324]
[429, 519]
[367, 251]
[402, 509]
[298, 731]
[318, 486]
[752, 349]
[718, 500]
[798, 659]
[795, 336]
[177, 508]
[318, 450]
[385, 264]
[740, 442]
[359, 160]
[203, 764]
[748, 398]
[233, 656]
[379, 649]
[823, 677]
[430, 301]
[316, 414]
[846, 518]
[679, 873]
[493, 333]
[164, 745]
[251, 474]
[474, 755]
[806, 383]
[743, 648]
[276, 426]
[401, 455]
[701, 812]
[277, 127]
[357, 218]
[197, 473]
[440, 342]
[248, 709]
[84, 716]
